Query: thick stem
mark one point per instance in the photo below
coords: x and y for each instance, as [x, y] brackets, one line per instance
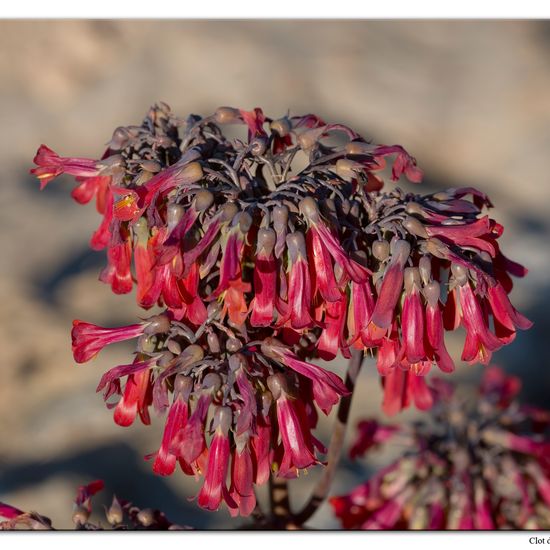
[281, 516]
[336, 444]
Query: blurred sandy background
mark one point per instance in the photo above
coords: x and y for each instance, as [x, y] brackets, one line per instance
[469, 99]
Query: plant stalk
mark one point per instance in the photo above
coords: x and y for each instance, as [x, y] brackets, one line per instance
[336, 444]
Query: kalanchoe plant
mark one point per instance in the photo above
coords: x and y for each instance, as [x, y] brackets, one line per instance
[121, 515]
[260, 268]
[479, 463]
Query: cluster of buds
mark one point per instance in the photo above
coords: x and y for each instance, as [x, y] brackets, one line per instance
[482, 464]
[261, 266]
[121, 515]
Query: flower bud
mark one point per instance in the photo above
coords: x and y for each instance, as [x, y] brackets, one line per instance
[347, 169]
[174, 347]
[281, 126]
[223, 418]
[233, 345]
[151, 166]
[277, 384]
[227, 115]
[213, 342]
[229, 211]
[114, 513]
[266, 241]
[460, 273]
[174, 213]
[157, 324]
[308, 208]
[212, 381]
[80, 515]
[203, 200]
[425, 267]
[415, 227]
[183, 385]
[146, 517]
[381, 250]
[258, 145]
[191, 172]
[358, 148]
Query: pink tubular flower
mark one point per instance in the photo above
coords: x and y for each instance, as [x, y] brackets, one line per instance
[88, 339]
[297, 444]
[434, 328]
[412, 319]
[327, 386]
[9, 512]
[403, 164]
[137, 398]
[265, 280]
[50, 165]
[242, 478]
[210, 495]
[480, 342]
[403, 387]
[298, 314]
[391, 287]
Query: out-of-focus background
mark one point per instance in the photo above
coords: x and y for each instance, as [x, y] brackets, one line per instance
[469, 99]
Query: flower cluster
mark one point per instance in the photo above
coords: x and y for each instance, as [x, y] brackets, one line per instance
[483, 466]
[261, 264]
[121, 515]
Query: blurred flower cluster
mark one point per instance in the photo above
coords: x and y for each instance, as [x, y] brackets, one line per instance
[479, 462]
[266, 251]
[121, 515]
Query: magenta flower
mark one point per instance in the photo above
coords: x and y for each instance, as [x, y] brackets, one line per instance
[50, 165]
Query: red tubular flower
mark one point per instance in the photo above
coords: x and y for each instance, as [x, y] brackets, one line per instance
[327, 386]
[110, 381]
[117, 273]
[480, 342]
[298, 314]
[50, 165]
[190, 443]
[165, 461]
[102, 235]
[262, 305]
[298, 450]
[412, 320]
[392, 285]
[137, 398]
[210, 495]
[403, 164]
[504, 312]
[88, 339]
[434, 328]
[230, 267]
[402, 387]
[326, 240]
[9, 512]
[324, 281]
[254, 120]
[235, 301]
[332, 338]
[242, 479]
[98, 186]
[361, 306]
